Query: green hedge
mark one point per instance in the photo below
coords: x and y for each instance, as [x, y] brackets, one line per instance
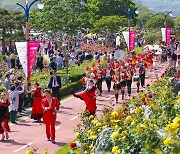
[65, 90]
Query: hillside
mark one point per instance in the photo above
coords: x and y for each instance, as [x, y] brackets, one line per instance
[162, 5]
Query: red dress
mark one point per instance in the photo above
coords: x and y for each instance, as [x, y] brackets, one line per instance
[37, 109]
[4, 116]
[89, 99]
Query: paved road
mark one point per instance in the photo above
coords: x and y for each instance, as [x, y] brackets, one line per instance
[27, 133]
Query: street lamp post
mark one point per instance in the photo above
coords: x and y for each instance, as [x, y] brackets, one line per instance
[129, 13]
[165, 17]
[26, 10]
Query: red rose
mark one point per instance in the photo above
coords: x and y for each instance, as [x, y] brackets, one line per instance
[150, 96]
[143, 99]
[73, 145]
[155, 102]
[145, 103]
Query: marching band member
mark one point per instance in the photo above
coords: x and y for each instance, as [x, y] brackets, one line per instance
[142, 73]
[116, 86]
[122, 82]
[99, 78]
[108, 76]
[85, 80]
[130, 73]
[136, 77]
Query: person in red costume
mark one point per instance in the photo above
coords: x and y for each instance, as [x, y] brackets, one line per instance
[89, 96]
[37, 110]
[4, 116]
[50, 106]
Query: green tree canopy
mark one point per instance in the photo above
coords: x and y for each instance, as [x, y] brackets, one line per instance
[157, 22]
[73, 15]
[110, 24]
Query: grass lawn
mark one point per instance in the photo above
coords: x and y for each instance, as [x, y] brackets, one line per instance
[64, 150]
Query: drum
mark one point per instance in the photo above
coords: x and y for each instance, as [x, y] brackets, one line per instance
[136, 78]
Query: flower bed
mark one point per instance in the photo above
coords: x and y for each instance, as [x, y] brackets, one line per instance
[149, 123]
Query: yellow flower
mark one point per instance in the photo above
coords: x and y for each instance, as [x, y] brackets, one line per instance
[155, 126]
[128, 119]
[143, 126]
[114, 114]
[168, 141]
[138, 110]
[104, 127]
[176, 120]
[90, 147]
[114, 135]
[91, 117]
[117, 152]
[85, 152]
[158, 151]
[93, 137]
[114, 149]
[123, 138]
[76, 134]
[89, 131]
[124, 133]
[98, 124]
[174, 125]
[168, 128]
[133, 123]
[94, 122]
[28, 151]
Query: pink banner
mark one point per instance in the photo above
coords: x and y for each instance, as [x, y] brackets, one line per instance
[132, 36]
[32, 50]
[168, 35]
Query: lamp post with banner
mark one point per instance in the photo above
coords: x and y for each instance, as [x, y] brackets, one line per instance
[26, 9]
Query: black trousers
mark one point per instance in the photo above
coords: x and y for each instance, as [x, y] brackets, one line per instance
[20, 107]
[129, 83]
[99, 84]
[56, 92]
[142, 78]
[108, 83]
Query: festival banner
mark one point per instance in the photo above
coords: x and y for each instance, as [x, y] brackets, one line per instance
[163, 34]
[27, 58]
[132, 36]
[168, 35]
[126, 37]
[32, 50]
[22, 53]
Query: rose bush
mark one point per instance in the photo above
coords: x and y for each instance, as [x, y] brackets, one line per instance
[149, 123]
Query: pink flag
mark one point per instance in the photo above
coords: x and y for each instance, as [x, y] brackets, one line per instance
[132, 36]
[32, 50]
[168, 35]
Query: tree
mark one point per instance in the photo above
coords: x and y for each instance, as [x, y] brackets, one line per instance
[157, 22]
[10, 25]
[110, 24]
[71, 16]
